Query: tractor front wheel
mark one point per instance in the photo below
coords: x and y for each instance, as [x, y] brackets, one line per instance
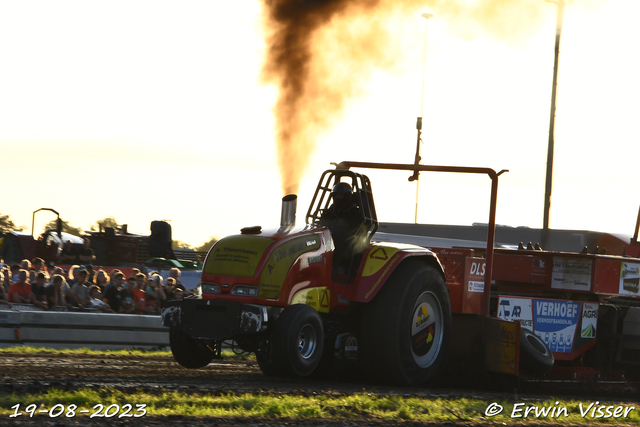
[405, 329]
[189, 352]
[298, 341]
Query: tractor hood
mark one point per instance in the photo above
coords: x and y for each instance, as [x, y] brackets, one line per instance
[239, 255]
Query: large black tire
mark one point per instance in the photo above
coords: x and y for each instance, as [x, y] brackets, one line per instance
[187, 351]
[297, 341]
[535, 355]
[405, 329]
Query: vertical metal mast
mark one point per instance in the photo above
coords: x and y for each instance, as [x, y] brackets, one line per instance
[416, 173]
[552, 119]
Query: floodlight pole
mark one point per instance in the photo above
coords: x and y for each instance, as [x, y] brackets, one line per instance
[552, 120]
[416, 173]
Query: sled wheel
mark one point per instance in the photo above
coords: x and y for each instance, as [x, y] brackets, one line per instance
[535, 355]
[405, 329]
[189, 352]
[298, 340]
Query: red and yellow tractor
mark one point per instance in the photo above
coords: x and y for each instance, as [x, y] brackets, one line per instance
[301, 298]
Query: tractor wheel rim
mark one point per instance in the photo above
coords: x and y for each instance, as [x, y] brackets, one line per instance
[426, 329]
[307, 341]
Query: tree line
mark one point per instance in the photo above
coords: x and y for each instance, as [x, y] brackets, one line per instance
[7, 225]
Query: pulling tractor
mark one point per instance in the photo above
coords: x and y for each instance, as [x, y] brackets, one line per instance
[403, 314]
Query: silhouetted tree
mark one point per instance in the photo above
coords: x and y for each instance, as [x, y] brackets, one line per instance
[207, 245]
[104, 223]
[7, 225]
[66, 227]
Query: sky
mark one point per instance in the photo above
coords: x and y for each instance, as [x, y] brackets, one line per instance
[146, 110]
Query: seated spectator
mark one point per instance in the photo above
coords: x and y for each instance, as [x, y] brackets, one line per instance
[39, 291]
[127, 298]
[37, 264]
[112, 274]
[175, 273]
[155, 293]
[102, 279]
[80, 288]
[26, 264]
[94, 297]
[6, 272]
[140, 301]
[4, 303]
[69, 296]
[72, 275]
[141, 280]
[113, 291]
[50, 266]
[174, 291]
[179, 293]
[20, 291]
[85, 253]
[56, 294]
[15, 268]
[32, 276]
[68, 255]
[91, 274]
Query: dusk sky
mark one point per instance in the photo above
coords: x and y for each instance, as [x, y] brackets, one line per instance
[146, 110]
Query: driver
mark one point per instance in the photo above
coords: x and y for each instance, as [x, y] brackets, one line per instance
[345, 222]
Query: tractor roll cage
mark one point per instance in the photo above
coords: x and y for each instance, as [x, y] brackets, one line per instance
[362, 194]
[345, 166]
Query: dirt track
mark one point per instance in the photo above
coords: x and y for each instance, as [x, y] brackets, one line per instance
[32, 373]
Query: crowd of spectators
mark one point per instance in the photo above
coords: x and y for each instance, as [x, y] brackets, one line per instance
[83, 288]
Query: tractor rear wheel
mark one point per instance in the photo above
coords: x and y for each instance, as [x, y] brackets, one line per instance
[298, 341]
[189, 352]
[405, 329]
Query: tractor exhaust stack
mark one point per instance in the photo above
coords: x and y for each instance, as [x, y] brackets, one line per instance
[288, 216]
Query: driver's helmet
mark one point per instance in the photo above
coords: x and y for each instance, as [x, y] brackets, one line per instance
[341, 193]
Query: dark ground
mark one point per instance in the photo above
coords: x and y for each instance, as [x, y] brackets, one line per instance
[31, 373]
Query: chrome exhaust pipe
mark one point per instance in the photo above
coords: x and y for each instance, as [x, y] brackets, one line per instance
[288, 216]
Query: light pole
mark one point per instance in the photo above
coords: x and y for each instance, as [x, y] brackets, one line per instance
[552, 120]
[416, 174]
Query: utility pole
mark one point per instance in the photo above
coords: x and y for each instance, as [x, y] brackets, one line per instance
[552, 120]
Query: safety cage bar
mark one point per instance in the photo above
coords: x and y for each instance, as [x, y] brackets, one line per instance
[493, 175]
[361, 189]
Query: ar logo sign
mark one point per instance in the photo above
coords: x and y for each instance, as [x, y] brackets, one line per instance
[505, 312]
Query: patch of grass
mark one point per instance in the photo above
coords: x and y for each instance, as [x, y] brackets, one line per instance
[87, 351]
[354, 407]
[83, 351]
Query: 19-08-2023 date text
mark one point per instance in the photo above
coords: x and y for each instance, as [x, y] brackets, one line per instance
[70, 411]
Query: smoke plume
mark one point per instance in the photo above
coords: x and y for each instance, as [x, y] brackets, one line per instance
[322, 52]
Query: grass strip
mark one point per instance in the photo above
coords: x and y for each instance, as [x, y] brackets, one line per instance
[90, 352]
[359, 406]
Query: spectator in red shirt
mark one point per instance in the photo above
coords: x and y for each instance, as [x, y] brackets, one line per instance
[20, 291]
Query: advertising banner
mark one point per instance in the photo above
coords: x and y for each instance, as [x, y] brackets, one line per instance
[558, 323]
